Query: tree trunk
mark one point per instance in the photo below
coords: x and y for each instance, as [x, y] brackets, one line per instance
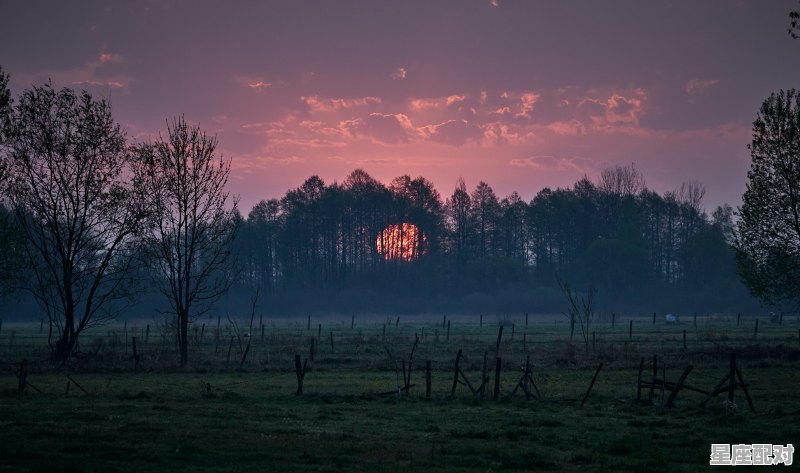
[183, 336]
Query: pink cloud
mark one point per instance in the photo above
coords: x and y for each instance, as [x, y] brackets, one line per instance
[698, 86]
[317, 104]
[527, 102]
[568, 128]
[438, 102]
[452, 132]
[382, 128]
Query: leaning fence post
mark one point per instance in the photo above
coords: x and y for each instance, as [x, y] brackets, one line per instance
[591, 385]
[455, 374]
[499, 338]
[230, 347]
[497, 368]
[678, 386]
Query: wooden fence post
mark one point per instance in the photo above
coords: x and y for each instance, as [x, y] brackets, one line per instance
[613, 318]
[455, 374]
[755, 330]
[319, 333]
[448, 330]
[639, 382]
[230, 347]
[497, 368]
[591, 385]
[383, 337]
[331, 341]
[678, 386]
[309, 322]
[352, 321]
[480, 324]
[695, 319]
[484, 373]
[300, 372]
[499, 338]
[630, 330]
[526, 320]
[654, 319]
[147, 334]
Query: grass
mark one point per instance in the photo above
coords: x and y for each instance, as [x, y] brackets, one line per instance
[216, 417]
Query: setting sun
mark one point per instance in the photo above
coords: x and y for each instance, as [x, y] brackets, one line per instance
[401, 241]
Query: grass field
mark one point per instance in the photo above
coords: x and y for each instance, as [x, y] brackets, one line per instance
[218, 416]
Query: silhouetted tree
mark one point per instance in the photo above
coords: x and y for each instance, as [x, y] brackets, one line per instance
[67, 182]
[193, 221]
[768, 240]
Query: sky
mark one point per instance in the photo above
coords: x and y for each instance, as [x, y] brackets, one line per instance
[520, 94]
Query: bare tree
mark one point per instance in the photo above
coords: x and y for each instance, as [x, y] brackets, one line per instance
[581, 309]
[193, 224]
[66, 162]
[621, 181]
[691, 194]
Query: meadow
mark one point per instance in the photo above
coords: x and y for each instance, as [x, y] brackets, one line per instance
[235, 407]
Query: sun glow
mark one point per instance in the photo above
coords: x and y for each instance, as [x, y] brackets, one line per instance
[403, 241]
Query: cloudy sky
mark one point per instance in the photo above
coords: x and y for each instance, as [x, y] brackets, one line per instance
[521, 94]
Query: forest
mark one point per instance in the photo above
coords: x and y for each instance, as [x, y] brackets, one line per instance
[320, 247]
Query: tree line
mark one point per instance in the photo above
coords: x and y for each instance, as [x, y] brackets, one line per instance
[479, 252]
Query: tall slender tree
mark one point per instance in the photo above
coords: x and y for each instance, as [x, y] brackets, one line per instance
[193, 221]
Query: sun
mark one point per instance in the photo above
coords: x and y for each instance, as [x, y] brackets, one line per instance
[403, 241]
